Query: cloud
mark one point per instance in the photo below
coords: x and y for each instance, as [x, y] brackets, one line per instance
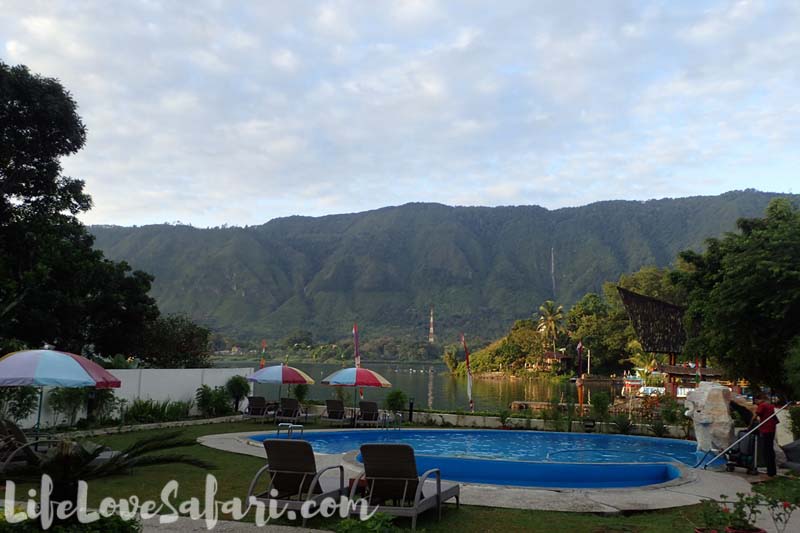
[213, 113]
[285, 60]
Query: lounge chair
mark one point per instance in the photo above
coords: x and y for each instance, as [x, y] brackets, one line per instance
[293, 476]
[368, 414]
[16, 446]
[257, 407]
[289, 411]
[391, 476]
[335, 413]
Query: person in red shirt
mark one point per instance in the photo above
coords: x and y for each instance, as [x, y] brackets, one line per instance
[766, 442]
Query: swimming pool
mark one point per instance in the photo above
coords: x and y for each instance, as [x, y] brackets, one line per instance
[527, 458]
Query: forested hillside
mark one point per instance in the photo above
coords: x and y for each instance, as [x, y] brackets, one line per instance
[481, 268]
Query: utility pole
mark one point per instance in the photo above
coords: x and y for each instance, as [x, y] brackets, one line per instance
[431, 336]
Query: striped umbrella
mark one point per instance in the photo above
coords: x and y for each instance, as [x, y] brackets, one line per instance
[356, 377]
[279, 375]
[51, 368]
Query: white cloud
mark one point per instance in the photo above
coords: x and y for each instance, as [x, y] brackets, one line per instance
[215, 113]
[285, 60]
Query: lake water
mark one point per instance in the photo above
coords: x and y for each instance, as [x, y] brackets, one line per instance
[433, 387]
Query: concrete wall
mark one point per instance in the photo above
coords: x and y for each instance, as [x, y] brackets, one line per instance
[179, 384]
[492, 422]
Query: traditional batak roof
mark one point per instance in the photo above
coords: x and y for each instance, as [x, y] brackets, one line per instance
[658, 324]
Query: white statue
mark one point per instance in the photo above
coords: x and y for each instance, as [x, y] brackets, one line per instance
[708, 407]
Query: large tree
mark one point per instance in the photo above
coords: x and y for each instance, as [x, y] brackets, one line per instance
[603, 326]
[54, 287]
[744, 296]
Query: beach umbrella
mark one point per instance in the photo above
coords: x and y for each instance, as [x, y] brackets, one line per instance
[51, 368]
[279, 375]
[356, 377]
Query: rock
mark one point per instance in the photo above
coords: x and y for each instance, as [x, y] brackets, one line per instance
[707, 406]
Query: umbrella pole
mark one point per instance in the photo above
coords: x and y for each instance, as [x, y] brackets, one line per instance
[39, 418]
[355, 406]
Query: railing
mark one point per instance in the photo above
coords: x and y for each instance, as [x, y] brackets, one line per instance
[740, 439]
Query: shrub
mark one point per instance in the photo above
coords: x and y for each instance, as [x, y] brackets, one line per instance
[17, 403]
[378, 523]
[105, 404]
[671, 410]
[300, 392]
[504, 414]
[213, 402]
[659, 428]
[112, 524]
[623, 424]
[151, 411]
[67, 401]
[600, 404]
[238, 387]
[396, 400]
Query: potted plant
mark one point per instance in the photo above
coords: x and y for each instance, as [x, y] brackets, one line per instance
[743, 513]
[712, 518]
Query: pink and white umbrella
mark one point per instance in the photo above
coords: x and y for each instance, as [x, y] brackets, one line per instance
[356, 377]
[279, 375]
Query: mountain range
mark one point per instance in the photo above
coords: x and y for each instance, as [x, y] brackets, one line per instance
[480, 268]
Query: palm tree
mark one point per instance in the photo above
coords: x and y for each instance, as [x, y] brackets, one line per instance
[70, 461]
[551, 321]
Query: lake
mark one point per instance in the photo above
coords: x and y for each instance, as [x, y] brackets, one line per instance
[432, 386]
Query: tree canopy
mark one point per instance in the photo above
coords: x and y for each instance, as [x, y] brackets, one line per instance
[744, 296]
[54, 286]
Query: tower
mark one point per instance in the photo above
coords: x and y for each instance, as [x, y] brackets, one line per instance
[431, 337]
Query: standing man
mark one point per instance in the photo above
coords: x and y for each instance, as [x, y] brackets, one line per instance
[764, 411]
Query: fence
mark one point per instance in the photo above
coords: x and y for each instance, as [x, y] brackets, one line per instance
[160, 384]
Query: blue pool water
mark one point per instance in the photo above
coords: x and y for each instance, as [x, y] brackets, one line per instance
[527, 458]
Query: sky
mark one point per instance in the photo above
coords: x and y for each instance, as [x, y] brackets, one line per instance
[220, 112]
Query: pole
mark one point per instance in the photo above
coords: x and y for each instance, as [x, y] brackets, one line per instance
[589, 362]
[39, 417]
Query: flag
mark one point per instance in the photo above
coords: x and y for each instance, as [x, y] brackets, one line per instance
[355, 342]
[469, 374]
[580, 356]
[357, 354]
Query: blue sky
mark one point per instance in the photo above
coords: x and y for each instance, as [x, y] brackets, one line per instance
[214, 112]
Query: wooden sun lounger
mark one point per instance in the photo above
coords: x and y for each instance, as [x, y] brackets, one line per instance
[335, 413]
[368, 415]
[391, 477]
[293, 474]
[289, 411]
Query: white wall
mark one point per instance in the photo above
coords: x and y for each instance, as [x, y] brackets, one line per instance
[179, 384]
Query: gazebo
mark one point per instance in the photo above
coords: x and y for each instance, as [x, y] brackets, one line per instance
[659, 327]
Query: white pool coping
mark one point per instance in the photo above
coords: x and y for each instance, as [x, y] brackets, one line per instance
[693, 486]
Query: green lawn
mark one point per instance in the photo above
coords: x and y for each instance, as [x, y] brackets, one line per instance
[235, 471]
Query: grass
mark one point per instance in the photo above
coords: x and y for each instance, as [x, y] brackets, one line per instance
[235, 471]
